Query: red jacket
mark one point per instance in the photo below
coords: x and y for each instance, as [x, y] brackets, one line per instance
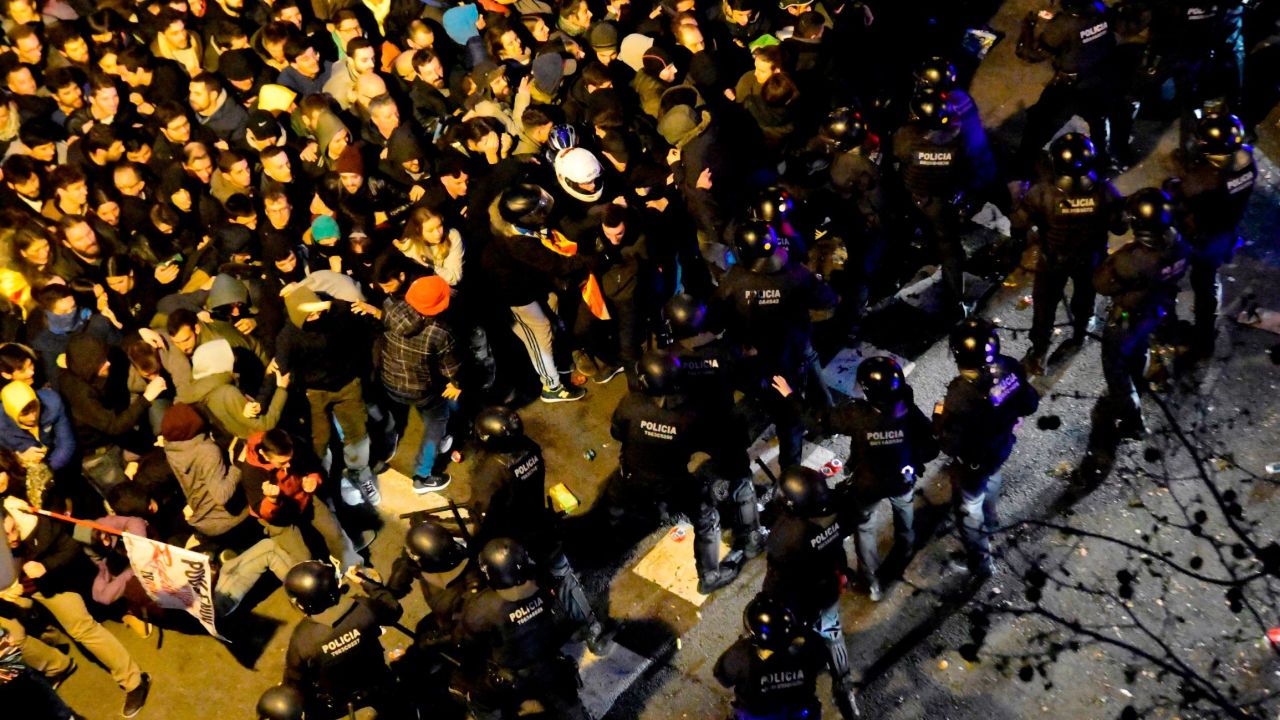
[292, 500]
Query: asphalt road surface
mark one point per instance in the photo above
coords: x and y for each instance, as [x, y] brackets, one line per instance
[1138, 581]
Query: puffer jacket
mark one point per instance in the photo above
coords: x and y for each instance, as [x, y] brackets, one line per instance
[223, 404]
[55, 432]
[211, 487]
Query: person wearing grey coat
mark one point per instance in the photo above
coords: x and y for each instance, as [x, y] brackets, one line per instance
[210, 483]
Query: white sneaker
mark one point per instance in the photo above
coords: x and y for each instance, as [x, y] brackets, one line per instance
[369, 488]
[351, 495]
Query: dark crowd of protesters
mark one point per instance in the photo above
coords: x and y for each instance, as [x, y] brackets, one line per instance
[241, 241]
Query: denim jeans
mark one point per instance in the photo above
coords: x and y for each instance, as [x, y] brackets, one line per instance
[903, 532]
[975, 501]
[434, 413]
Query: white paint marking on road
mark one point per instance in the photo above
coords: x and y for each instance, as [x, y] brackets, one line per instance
[399, 498]
[670, 566]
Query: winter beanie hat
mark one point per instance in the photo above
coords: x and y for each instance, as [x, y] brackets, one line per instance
[428, 295]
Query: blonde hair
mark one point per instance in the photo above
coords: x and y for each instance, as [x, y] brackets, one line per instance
[418, 249]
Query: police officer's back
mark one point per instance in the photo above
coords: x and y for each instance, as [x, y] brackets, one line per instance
[446, 576]
[774, 668]
[1142, 277]
[334, 656]
[805, 554]
[508, 489]
[659, 430]
[975, 421]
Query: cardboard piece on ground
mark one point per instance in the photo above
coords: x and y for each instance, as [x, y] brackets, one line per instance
[926, 294]
[841, 373]
[398, 495]
[669, 564]
[604, 679]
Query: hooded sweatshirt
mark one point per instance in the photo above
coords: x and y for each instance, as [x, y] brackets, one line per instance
[211, 487]
[286, 507]
[327, 353]
[98, 419]
[53, 431]
[50, 543]
[213, 389]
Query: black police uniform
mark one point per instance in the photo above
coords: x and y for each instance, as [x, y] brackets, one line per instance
[445, 594]
[1080, 42]
[937, 174]
[1211, 201]
[1199, 45]
[1141, 279]
[336, 659]
[508, 493]
[1073, 216]
[768, 313]
[855, 200]
[773, 684]
[515, 635]
[888, 449]
[659, 435]
[805, 571]
[974, 425]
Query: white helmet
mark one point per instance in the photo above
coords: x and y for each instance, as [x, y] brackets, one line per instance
[577, 168]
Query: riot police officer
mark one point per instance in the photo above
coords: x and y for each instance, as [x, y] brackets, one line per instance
[334, 656]
[1141, 279]
[932, 157]
[444, 573]
[805, 568]
[766, 304]
[660, 431]
[708, 370]
[513, 636]
[774, 668]
[508, 493]
[938, 75]
[281, 702]
[1069, 216]
[975, 426]
[1080, 43]
[776, 207]
[890, 443]
[1211, 193]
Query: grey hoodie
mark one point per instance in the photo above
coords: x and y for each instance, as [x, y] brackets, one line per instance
[210, 483]
[223, 403]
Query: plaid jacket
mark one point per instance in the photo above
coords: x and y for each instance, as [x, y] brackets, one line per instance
[418, 356]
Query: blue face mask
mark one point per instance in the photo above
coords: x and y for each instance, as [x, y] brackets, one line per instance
[66, 323]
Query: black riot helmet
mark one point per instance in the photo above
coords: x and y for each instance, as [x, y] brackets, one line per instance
[686, 315]
[1079, 7]
[1219, 136]
[525, 205]
[312, 586]
[932, 109]
[497, 426]
[936, 73]
[505, 563]
[433, 549]
[658, 373]
[881, 380]
[805, 491]
[1150, 212]
[771, 624]
[844, 129]
[756, 244]
[1073, 155]
[282, 702]
[974, 343]
[772, 204]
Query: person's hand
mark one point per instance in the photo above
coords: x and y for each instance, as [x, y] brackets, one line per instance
[100, 298]
[310, 483]
[673, 156]
[151, 337]
[1017, 424]
[505, 146]
[451, 392]
[620, 200]
[282, 379]
[204, 316]
[335, 263]
[782, 386]
[166, 274]
[656, 12]
[252, 409]
[310, 152]
[523, 87]
[660, 204]
[155, 388]
[868, 17]
[416, 193]
[33, 455]
[270, 489]
[146, 108]
[187, 512]
[33, 569]
[246, 325]
[704, 180]
[353, 576]
[222, 145]
[361, 307]
[204, 243]
[729, 93]
[208, 284]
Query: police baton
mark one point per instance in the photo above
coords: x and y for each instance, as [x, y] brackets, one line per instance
[399, 625]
